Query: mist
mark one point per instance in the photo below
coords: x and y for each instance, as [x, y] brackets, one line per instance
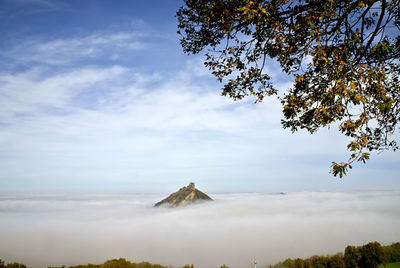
[43, 230]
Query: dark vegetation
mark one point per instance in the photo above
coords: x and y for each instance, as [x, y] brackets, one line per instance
[391, 265]
[11, 265]
[371, 255]
[118, 263]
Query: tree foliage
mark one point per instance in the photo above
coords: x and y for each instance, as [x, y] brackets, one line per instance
[11, 265]
[370, 255]
[392, 252]
[351, 257]
[343, 57]
[117, 263]
[335, 261]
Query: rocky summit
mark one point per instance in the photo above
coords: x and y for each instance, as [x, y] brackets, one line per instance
[185, 196]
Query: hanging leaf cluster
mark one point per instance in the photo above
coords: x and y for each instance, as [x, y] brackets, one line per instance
[343, 57]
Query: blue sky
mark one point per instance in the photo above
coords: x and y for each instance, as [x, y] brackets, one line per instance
[99, 95]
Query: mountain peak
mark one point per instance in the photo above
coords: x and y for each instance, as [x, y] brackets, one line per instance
[185, 196]
[191, 186]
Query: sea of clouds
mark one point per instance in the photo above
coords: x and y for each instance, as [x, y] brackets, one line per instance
[69, 229]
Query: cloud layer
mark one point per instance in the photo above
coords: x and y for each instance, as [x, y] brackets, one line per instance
[120, 127]
[58, 229]
[119, 107]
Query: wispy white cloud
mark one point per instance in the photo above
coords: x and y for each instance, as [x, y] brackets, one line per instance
[12, 9]
[72, 111]
[100, 46]
[39, 3]
[27, 92]
[92, 122]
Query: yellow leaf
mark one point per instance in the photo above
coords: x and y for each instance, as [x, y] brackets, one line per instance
[299, 78]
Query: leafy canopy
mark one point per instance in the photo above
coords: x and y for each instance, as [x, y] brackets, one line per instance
[343, 57]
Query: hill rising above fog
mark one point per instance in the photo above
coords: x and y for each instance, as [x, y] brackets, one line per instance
[185, 196]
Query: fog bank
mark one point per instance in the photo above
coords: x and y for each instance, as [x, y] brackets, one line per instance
[56, 229]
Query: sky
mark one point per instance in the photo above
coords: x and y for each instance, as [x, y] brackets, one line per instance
[98, 95]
